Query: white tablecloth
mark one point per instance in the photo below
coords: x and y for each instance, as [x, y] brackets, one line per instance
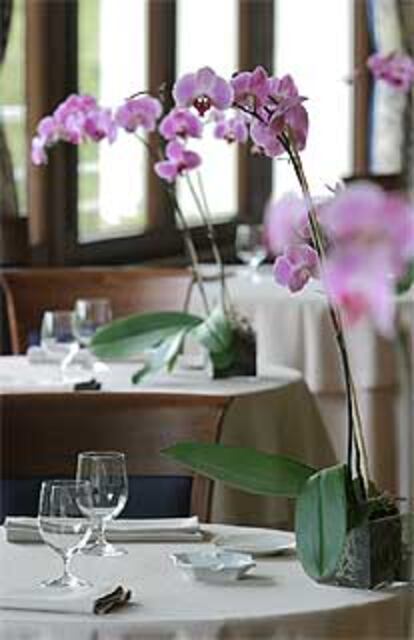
[294, 330]
[276, 414]
[277, 600]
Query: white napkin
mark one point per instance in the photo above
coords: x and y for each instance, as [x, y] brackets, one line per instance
[97, 600]
[39, 355]
[21, 529]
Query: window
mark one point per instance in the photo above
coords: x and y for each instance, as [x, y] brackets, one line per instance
[112, 66]
[197, 47]
[320, 66]
[102, 204]
[12, 101]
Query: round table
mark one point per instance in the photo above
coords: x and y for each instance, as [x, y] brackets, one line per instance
[276, 600]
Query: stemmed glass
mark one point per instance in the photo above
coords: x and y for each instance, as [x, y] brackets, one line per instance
[57, 336]
[249, 245]
[106, 471]
[90, 314]
[64, 524]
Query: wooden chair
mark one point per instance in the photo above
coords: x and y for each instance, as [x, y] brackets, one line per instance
[30, 292]
[41, 435]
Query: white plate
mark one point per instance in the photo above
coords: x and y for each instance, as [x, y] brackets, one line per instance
[258, 544]
[214, 566]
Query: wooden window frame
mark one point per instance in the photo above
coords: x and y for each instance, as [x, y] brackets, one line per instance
[53, 223]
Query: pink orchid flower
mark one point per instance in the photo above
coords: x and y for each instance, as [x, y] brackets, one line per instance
[296, 266]
[371, 246]
[396, 69]
[234, 129]
[38, 154]
[283, 113]
[179, 160]
[361, 287]
[365, 216]
[286, 222]
[203, 90]
[99, 124]
[251, 88]
[76, 120]
[143, 112]
[180, 122]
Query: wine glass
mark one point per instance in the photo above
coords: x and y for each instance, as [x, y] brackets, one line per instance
[249, 245]
[106, 471]
[90, 314]
[57, 336]
[64, 523]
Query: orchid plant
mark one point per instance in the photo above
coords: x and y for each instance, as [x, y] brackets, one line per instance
[359, 242]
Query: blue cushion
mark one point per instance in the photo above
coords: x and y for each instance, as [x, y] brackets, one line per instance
[149, 497]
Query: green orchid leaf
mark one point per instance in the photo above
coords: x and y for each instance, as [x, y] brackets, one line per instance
[217, 335]
[407, 280]
[162, 357]
[243, 468]
[321, 521]
[137, 333]
[176, 345]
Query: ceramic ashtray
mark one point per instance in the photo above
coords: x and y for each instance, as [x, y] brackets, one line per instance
[214, 566]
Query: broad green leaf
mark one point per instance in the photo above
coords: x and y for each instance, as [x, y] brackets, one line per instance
[216, 334]
[163, 357]
[321, 521]
[407, 280]
[134, 334]
[244, 468]
[175, 348]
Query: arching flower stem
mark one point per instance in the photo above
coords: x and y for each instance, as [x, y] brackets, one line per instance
[188, 240]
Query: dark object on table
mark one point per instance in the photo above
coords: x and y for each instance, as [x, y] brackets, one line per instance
[88, 385]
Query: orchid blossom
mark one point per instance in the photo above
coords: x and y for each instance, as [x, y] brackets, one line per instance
[395, 69]
[203, 90]
[76, 120]
[178, 161]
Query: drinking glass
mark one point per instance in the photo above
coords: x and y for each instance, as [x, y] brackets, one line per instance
[57, 332]
[249, 245]
[64, 523]
[57, 336]
[106, 471]
[90, 314]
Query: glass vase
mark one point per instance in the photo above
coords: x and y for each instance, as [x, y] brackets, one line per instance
[376, 553]
[244, 364]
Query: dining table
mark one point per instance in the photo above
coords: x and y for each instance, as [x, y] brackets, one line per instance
[274, 600]
[273, 413]
[294, 330]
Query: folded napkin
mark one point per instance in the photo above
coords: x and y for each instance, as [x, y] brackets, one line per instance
[20, 529]
[97, 600]
[39, 355]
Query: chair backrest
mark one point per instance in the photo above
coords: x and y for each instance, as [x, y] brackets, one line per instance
[41, 434]
[30, 292]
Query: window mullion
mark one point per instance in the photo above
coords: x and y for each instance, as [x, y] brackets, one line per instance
[255, 47]
[162, 70]
[362, 89]
[50, 76]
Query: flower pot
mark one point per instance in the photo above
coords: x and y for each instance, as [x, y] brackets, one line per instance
[244, 363]
[376, 553]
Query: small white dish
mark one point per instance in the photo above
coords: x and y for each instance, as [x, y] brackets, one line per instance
[214, 566]
[258, 544]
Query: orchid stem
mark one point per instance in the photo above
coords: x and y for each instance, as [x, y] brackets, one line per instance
[355, 435]
[206, 220]
[188, 240]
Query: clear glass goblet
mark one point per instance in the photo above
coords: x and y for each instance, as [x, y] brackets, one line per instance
[64, 524]
[90, 314]
[106, 471]
[249, 245]
[57, 336]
